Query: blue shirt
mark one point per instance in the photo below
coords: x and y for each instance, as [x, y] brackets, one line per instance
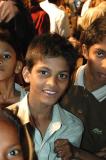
[63, 125]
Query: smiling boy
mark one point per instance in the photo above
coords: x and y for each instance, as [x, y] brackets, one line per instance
[49, 62]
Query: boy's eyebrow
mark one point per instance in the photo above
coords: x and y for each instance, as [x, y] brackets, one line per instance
[101, 50]
[43, 67]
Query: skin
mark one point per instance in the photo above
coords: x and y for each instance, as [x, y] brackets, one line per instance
[7, 61]
[8, 10]
[9, 66]
[10, 148]
[96, 66]
[48, 80]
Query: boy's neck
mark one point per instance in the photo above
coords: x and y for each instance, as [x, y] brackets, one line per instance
[41, 119]
[89, 82]
[7, 92]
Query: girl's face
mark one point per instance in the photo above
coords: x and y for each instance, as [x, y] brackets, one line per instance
[48, 80]
[8, 62]
[10, 148]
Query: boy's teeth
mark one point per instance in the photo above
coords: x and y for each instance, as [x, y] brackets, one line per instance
[50, 92]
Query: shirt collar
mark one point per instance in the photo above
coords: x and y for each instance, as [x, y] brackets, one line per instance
[56, 118]
[79, 80]
[23, 112]
[99, 94]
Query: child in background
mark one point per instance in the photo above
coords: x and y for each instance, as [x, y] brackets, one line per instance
[17, 18]
[50, 60]
[10, 65]
[86, 97]
[13, 142]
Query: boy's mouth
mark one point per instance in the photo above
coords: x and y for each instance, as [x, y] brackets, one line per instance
[49, 92]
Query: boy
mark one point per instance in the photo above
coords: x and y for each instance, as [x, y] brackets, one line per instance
[88, 94]
[49, 62]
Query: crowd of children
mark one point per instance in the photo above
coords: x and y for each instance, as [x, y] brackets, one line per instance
[49, 108]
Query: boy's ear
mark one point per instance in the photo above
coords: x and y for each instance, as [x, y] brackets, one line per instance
[26, 74]
[85, 51]
[18, 67]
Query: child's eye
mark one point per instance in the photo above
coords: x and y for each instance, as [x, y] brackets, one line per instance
[100, 53]
[6, 56]
[44, 72]
[14, 152]
[63, 76]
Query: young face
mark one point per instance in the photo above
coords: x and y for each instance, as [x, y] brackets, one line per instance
[48, 80]
[8, 63]
[10, 148]
[96, 63]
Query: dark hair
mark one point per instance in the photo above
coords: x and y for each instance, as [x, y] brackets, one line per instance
[5, 36]
[21, 26]
[95, 33]
[10, 117]
[51, 45]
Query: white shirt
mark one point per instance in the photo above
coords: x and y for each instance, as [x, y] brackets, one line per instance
[63, 125]
[21, 90]
[59, 22]
[85, 7]
[99, 94]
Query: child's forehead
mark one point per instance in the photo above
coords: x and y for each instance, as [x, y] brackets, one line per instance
[101, 43]
[44, 59]
[52, 63]
[5, 44]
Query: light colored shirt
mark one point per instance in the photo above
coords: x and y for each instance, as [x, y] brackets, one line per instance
[99, 94]
[59, 22]
[21, 90]
[64, 125]
[85, 7]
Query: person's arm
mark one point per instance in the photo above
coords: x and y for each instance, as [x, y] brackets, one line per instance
[8, 10]
[102, 152]
[64, 149]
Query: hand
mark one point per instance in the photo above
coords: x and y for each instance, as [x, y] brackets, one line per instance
[8, 10]
[63, 148]
[102, 153]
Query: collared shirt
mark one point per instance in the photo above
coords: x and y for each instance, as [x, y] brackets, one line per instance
[64, 125]
[100, 93]
[21, 90]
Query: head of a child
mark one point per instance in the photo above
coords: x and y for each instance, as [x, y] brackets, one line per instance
[13, 144]
[94, 49]
[50, 60]
[10, 56]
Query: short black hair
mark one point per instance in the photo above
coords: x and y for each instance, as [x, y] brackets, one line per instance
[95, 33]
[51, 45]
[10, 117]
[7, 37]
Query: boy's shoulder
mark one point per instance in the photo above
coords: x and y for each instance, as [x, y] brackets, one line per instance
[68, 118]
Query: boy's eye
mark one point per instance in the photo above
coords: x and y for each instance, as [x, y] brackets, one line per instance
[14, 152]
[100, 53]
[6, 56]
[63, 76]
[44, 72]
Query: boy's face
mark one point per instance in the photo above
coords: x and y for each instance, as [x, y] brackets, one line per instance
[10, 148]
[96, 60]
[8, 63]
[48, 80]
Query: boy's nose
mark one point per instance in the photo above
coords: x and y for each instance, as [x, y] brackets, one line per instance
[104, 64]
[52, 81]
